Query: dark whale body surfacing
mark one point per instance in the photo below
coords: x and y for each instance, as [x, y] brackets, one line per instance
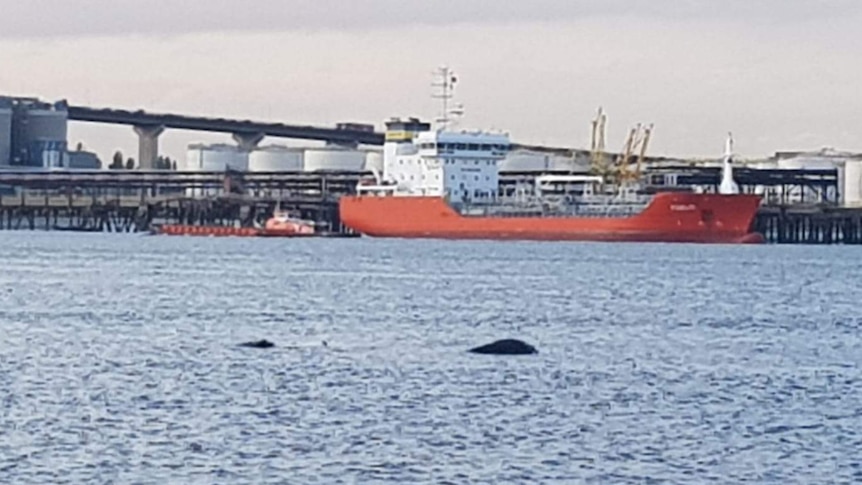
[260, 344]
[506, 347]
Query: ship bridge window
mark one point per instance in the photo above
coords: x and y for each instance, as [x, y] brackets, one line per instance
[460, 146]
[473, 147]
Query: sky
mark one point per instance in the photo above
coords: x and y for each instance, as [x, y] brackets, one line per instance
[780, 74]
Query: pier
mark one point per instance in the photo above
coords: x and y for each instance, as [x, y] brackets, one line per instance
[135, 201]
[810, 224]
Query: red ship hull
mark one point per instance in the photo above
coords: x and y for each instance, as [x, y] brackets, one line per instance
[670, 217]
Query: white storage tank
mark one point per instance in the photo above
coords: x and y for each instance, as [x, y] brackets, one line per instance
[5, 134]
[275, 159]
[331, 158]
[373, 161]
[215, 158]
[853, 183]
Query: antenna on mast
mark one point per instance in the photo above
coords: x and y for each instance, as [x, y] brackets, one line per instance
[445, 82]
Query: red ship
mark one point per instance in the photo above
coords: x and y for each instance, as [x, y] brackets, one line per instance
[669, 217]
[445, 184]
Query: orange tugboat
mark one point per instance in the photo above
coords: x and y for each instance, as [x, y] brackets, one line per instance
[444, 184]
[281, 224]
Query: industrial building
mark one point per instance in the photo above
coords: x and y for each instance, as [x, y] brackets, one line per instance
[33, 135]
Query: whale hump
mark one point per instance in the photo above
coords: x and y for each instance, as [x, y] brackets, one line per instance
[259, 344]
[506, 347]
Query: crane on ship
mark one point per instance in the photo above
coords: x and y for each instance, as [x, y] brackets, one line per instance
[598, 158]
[618, 169]
[638, 140]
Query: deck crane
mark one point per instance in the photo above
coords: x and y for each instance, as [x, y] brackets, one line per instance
[638, 140]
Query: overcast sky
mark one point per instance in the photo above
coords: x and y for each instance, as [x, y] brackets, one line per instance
[781, 74]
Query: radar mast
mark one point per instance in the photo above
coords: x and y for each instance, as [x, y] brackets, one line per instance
[444, 82]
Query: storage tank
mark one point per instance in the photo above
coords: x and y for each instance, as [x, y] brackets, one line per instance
[373, 160]
[215, 158]
[330, 158]
[275, 159]
[853, 183]
[5, 133]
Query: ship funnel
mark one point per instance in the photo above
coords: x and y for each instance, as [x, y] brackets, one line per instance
[728, 185]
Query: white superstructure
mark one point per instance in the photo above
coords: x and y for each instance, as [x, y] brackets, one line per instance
[459, 165]
[446, 162]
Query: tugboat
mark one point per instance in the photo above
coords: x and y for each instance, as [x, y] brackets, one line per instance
[282, 224]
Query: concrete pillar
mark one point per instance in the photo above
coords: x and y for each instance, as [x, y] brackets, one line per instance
[148, 145]
[248, 141]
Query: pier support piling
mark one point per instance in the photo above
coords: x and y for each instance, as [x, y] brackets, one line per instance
[148, 145]
[248, 141]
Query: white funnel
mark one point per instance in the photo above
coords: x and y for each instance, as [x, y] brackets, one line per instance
[728, 186]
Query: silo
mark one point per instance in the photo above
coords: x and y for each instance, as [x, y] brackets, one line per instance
[330, 158]
[275, 159]
[5, 133]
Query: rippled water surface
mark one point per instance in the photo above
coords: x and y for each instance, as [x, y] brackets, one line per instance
[658, 363]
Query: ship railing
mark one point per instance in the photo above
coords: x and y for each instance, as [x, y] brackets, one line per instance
[378, 190]
[543, 207]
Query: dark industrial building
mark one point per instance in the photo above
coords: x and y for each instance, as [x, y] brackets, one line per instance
[33, 135]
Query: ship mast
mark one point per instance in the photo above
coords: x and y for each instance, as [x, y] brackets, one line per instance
[445, 83]
[728, 185]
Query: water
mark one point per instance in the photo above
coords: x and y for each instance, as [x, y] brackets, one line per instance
[658, 363]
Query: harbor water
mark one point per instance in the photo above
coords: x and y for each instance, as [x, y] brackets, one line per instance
[119, 361]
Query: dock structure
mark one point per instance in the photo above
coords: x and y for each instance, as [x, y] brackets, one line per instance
[133, 201]
[810, 224]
